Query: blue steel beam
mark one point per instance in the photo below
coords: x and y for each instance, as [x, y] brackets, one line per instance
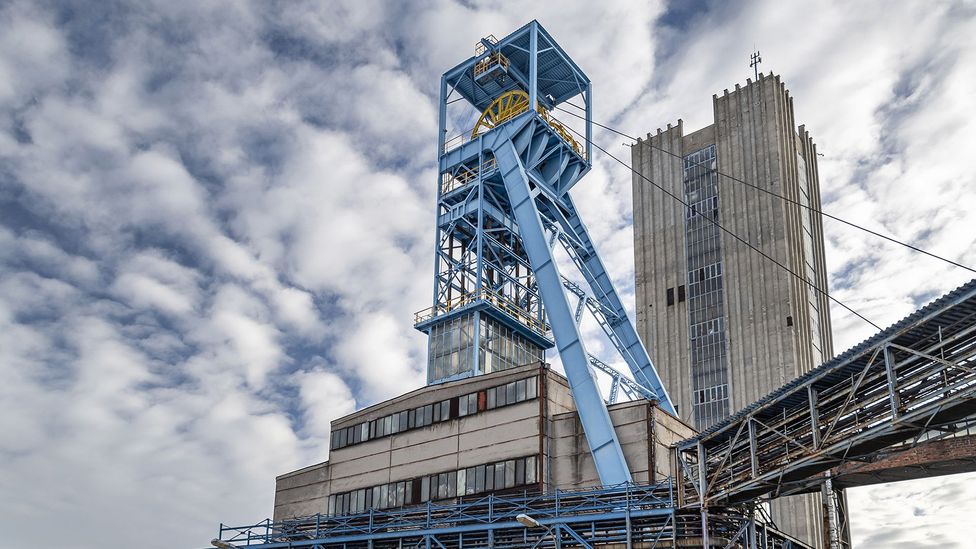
[600, 434]
[633, 350]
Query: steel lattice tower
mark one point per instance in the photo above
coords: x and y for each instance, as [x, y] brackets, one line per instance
[503, 203]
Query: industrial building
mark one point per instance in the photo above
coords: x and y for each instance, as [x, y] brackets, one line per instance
[501, 451]
[727, 325]
[509, 432]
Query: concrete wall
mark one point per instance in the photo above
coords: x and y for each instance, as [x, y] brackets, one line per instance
[645, 433]
[757, 141]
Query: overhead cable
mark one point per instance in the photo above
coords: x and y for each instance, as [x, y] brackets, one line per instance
[730, 233]
[777, 195]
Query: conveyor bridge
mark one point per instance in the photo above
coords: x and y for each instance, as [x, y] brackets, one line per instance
[914, 379]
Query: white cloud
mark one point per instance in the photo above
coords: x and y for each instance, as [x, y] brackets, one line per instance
[217, 217]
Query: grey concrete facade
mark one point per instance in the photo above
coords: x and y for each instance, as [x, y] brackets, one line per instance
[546, 427]
[769, 327]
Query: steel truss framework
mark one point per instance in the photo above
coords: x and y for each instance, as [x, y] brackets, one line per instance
[913, 379]
[621, 516]
[503, 203]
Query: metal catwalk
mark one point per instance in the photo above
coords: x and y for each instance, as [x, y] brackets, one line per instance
[623, 516]
[915, 379]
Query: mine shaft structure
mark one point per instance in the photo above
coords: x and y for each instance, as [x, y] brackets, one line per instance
[503, 206]
[499, 299]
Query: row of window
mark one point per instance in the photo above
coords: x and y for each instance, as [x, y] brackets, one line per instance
[669, 295]
[706, 206]
[494, 397]
[475, 480]
[707, 272]
[451, 348]
[702, 329]
[711, 394]
[392, 424]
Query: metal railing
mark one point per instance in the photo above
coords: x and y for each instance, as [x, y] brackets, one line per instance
[480, 48]
[562, 131]
[557, 126]
[630, 514]
[451, 182]
[499, 301]
[490, 61]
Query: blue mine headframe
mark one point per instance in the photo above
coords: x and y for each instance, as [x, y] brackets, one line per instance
[503, 203]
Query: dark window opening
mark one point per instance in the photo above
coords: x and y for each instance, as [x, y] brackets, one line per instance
[670, 295]
[789, 321]
[681, 293]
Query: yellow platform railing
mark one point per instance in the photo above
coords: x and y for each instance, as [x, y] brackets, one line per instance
[493, 59]
[480, 48]
[451, 182]
[499, 301]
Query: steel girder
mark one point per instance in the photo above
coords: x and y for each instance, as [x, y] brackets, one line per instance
[913, 378]
[600, 434]
[619, 516]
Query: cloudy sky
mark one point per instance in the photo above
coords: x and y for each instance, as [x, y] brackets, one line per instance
[216, 222]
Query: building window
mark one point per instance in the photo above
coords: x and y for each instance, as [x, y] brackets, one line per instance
[451, 348]
[465, 405]
[789, 321]
[670, 296]
[705, 297]
[480, 479]
[501, 348]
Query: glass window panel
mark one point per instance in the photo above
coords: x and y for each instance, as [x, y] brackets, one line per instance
[479, 479]
[462, 481]
[499, 476]
[489, 477]
[531, 389]
[520, 390]
[442, 485]
[425, 489]
[510, 393]
[519, 472]
[491, 398]
[510, 473]
[470, 480]
[530, 472]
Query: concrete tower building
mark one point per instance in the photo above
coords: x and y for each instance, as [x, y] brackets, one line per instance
[725, 325]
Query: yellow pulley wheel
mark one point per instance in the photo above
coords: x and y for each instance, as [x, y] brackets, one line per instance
[505, 106]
